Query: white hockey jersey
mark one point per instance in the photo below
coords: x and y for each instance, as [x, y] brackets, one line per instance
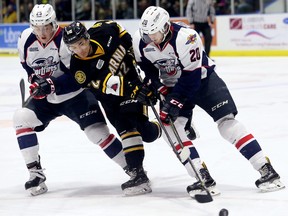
[51, 60]
[180, 62]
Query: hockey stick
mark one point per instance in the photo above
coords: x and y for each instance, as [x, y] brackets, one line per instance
[22, 91]
[201, 198]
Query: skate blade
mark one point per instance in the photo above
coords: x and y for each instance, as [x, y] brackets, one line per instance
[35, 191]
[138, 190]
[212, 190]
[271, 186]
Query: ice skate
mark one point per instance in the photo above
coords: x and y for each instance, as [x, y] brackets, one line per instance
[209, 182]
[138, 183]
[36, 184]
[130, 172]
[270, 180]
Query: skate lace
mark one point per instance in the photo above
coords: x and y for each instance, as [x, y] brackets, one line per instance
[36, 173]
[265, 171]
[137, 175]
[204, 174]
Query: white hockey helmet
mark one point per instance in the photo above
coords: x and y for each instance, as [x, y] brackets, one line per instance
[154, 19]
[42, 14]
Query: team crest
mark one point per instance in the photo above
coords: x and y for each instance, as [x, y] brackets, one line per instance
[191, 39]
[80, 77]
[45, 67]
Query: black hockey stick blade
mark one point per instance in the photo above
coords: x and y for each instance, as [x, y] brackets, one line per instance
[22, 91]
[203, 198]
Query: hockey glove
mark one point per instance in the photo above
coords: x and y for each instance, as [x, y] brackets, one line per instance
[42, 87]
[143, 93]
[171, 108]
[146, 96]
[149, 93]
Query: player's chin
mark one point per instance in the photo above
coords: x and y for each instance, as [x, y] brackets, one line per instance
[82, 55]
[157, 42]
[44, 39]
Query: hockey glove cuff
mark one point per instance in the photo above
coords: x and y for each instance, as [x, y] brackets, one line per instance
[171, 108]
[163, 90]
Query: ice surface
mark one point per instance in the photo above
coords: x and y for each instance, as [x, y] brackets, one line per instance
[83, 181]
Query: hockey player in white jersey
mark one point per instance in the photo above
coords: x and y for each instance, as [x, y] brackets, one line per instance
[172, 56]
[54, 93]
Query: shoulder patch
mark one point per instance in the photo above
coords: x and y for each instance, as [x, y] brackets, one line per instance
[80, 77]
[191, 39]
[100, 64]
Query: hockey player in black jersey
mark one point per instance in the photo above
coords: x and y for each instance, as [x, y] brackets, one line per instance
[103, 60]
[172, 55]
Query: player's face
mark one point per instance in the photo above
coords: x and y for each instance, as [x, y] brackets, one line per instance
[44, 33]
[81, 47]
[157, 37]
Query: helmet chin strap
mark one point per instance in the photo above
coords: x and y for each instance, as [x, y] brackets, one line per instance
[166, 33]
[55, 26]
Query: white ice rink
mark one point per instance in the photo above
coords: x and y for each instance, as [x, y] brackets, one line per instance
[83, 181]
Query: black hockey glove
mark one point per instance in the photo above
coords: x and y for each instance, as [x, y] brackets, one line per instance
[143, 93]
[146, 96]
[171, 108]
[40, 88]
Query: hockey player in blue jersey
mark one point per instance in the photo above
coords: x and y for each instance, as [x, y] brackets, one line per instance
[46, 60]
[172, 56]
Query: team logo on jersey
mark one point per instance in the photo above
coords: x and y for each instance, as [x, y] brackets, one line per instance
[191, 39]
[80, 77]
[44, 67]
[168, 67]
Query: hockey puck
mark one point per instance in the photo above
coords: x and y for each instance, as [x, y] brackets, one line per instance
[223, 212]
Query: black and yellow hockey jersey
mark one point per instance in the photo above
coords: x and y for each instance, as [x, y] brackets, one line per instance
[111, 66]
